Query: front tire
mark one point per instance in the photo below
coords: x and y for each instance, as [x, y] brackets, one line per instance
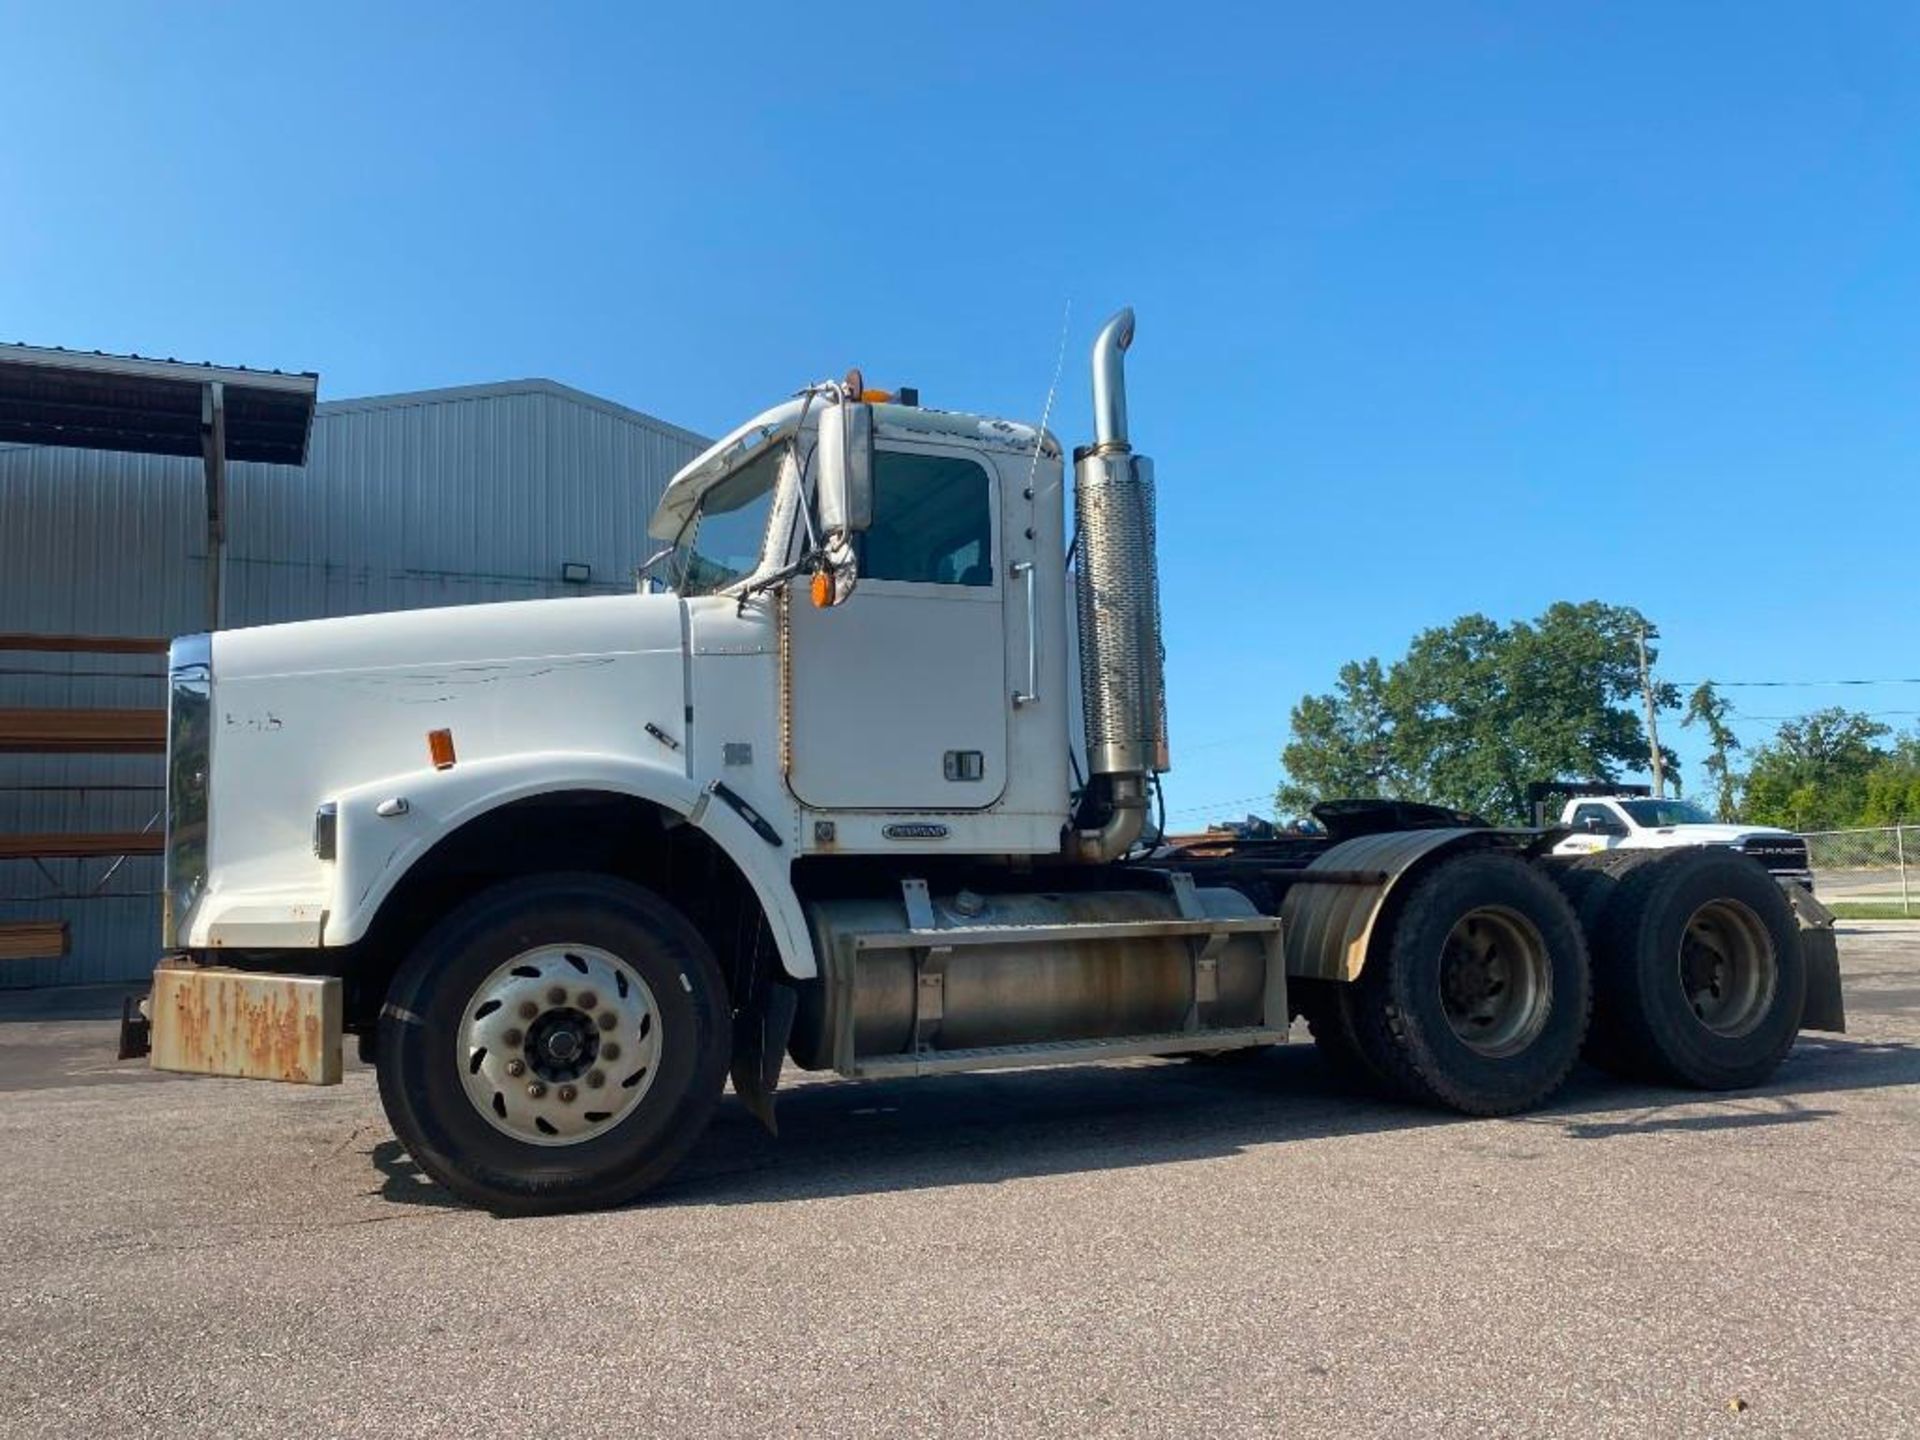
[1477, 996]
[556, 1043]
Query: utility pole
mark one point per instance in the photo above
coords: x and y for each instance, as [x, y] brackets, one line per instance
[1658, 766]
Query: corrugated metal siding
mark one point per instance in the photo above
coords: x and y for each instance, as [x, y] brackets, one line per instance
[443, 498]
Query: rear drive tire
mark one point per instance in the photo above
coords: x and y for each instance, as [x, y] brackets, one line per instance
[556, 1043]
[1329, 1009]
[1589, 881]
[1477, 995]
[1698, 975]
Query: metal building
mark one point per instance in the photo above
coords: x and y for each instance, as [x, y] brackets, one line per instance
[443, 497]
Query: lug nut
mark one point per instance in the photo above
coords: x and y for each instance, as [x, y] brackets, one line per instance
[512, 1037]
[557, 995]
[588, 1000]
[610, 1052]
[516, 1068]
[607, 1020]
[528, 1009]
[568, 1094]
[596, 1078]
[536, 1091]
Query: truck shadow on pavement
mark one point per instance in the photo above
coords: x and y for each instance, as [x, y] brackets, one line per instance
[844, 1139]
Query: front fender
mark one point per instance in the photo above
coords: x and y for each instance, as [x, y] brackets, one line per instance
[375, 851]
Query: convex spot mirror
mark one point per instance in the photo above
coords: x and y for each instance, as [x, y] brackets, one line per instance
[846, 468]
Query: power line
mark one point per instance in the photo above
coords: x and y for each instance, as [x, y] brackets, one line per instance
[1796, 684]
[1266, 795]
[1872, 714]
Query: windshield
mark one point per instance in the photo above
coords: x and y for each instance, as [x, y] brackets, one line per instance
[1654, 814]
[723, 541]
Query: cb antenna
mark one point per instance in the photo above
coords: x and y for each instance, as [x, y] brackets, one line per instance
[1046, 411]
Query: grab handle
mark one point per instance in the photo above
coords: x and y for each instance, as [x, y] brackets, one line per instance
[1023, 570]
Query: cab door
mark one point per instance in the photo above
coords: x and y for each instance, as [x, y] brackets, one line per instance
[898, 697]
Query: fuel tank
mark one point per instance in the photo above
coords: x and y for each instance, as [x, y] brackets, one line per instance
[1019, 990]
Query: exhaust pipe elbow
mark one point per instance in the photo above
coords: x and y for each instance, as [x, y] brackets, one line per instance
[1126, 822]
[1110, 382]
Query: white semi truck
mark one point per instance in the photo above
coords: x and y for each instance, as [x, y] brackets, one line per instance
[822, 792]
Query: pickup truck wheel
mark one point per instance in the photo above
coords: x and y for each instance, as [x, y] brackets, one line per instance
[556, 1043]
[1477, 996]
[1698, 975]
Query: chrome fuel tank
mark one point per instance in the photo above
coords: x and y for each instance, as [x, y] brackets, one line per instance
[1022, 988]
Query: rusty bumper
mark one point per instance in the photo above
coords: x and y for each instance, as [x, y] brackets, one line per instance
[207, 1020]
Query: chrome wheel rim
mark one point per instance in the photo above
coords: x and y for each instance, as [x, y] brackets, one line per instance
[1496, 983]
[1728, 969]
[559, 1044]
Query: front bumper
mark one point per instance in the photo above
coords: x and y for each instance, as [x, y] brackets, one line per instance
[211, 1020]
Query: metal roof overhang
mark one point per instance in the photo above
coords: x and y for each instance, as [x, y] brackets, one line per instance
[50, 396]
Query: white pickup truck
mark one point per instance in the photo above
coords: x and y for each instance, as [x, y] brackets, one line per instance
[1626, 822]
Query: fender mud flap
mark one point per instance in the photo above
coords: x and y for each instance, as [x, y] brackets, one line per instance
[1820, 952]
[760, 1035]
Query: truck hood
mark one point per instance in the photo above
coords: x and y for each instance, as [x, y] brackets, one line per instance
[303, 712]
[425, 648]
[1716, 834]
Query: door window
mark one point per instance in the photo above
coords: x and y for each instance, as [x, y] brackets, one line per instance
[1609, 824]
[932, 521]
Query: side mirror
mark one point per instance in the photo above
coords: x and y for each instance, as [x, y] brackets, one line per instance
[846, 468]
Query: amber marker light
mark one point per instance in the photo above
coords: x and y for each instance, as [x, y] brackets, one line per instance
[822, 589]
[440, 747]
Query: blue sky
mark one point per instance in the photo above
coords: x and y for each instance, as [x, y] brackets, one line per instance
[1442, 307]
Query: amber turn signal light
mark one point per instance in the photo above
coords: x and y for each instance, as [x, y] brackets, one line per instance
[440, 747]
[822, 589]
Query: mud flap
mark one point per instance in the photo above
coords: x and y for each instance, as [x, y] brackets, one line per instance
[1820, 952]
[760, 1035]
[136, 1031]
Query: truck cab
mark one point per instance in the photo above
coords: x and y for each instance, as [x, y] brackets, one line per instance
[931, 694]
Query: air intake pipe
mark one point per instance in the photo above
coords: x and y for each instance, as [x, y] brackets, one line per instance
[1118, 592]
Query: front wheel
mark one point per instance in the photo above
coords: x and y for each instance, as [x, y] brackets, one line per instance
[556, 1043]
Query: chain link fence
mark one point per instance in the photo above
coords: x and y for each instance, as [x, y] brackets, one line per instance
[1875, 867]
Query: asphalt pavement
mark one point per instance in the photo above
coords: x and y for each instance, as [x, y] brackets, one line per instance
[1154, 1248]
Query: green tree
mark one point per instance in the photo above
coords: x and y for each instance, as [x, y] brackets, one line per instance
[1475, 711]
[1707, 707]
[1343, 742]
[1813, 774]
[1893, 785]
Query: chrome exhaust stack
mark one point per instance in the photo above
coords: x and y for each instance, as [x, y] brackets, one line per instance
[1110, 383]
[1122, 663]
